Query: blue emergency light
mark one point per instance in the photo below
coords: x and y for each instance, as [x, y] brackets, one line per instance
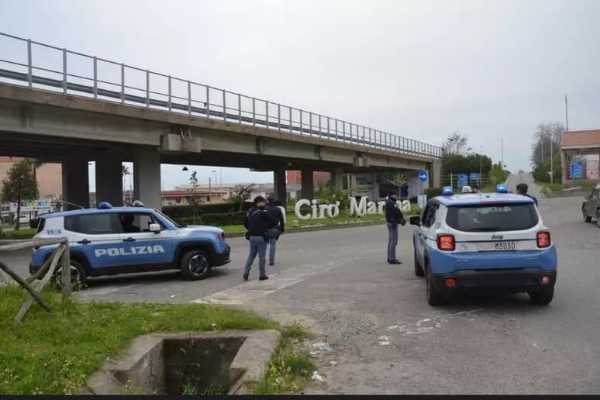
[447, 191]
[104, 205]
[501, 188]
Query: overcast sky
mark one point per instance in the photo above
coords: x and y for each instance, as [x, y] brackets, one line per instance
[416, 68]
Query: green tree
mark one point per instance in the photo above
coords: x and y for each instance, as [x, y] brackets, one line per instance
[19, 185]
[547, 141]
[498, 174]
[541, 171]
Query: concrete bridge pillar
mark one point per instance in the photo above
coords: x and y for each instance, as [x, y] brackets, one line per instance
[308, 185]
[109, 179]
[146, 177]
[436, 171]
[337, 179]
[280, 185]
[75, 182]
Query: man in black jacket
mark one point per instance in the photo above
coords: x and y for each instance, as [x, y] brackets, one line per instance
[393, 217]
[258, 222]
[275, 209]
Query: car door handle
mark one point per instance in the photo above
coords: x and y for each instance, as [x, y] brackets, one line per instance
[129, 239]
[84, 241]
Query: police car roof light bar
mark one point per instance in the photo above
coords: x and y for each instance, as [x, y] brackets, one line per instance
[501, 188]
[447, 191]
[104, 205]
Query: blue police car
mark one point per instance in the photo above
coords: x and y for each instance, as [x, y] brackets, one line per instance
[107, 240]
[484, 242]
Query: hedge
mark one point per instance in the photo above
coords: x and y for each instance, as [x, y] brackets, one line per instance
[189, 211]
[233, 218]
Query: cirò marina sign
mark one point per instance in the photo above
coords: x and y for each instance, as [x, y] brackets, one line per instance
[306, 209]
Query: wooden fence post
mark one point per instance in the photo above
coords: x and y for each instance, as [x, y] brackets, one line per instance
[66, 271]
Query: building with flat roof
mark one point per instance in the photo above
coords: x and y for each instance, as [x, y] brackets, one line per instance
[48, 176]
[580, 155]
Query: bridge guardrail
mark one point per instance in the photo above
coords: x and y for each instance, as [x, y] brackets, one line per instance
[104, 79]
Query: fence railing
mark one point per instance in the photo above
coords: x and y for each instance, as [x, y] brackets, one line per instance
[40, 65]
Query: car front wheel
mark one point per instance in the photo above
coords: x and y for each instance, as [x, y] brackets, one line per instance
[195, 265]
[586, 218]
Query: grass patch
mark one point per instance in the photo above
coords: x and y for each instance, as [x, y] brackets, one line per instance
[55, 353]
[22, 233]
[289, 368]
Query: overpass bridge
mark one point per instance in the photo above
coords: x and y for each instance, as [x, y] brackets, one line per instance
[64, 106]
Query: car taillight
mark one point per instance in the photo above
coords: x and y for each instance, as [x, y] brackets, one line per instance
[446, 242]
[543, 239]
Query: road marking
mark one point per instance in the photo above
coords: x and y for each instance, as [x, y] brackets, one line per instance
[246, 292]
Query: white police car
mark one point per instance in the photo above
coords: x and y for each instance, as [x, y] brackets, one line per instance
[484, 242]
[107, 240]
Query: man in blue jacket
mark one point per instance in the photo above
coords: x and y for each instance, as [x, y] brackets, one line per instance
[393, 217]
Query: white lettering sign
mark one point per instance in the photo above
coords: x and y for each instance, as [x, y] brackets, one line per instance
[132, 251]
[359, 207]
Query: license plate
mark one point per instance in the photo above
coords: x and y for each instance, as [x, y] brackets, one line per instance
[505, 246]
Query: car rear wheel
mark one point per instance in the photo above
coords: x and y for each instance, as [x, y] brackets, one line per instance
[435, 296]
[78, 276]
[195, 265]
[542, 297]
[418, 267]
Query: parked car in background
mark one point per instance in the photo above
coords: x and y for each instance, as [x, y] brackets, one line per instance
[591, 206]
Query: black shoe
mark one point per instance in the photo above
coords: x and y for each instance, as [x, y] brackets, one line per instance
[271, 263]
[394, 262]
[263, 278]
[245, 276]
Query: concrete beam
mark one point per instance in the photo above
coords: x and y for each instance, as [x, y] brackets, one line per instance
[60, 122]
[308, 186]
[75, 182]
[146, 176]
[109, 179]
[29, 113]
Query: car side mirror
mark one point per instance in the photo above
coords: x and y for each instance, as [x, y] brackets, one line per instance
[154, 228]
[415, 220]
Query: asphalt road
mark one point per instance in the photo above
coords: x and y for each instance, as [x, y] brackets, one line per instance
[375, 332]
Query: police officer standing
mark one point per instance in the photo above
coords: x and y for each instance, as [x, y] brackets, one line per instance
[393, 217]
[275, 209]
[522, 189]
[258, 221]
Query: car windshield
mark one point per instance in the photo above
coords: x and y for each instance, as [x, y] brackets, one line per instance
[492, 217]
[178, 225]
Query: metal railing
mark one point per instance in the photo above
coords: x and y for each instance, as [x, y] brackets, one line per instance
[98, 78]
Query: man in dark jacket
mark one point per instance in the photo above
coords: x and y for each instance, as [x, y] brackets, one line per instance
[393, 217]
[275, 209]
[258, 221]
[522, 189]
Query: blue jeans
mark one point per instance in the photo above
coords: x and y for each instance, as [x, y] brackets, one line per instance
[272, 250]
[258, 245]
[392, 241]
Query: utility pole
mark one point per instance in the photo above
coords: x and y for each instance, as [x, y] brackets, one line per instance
[566, 113]
[551, 161]
[502, 151]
